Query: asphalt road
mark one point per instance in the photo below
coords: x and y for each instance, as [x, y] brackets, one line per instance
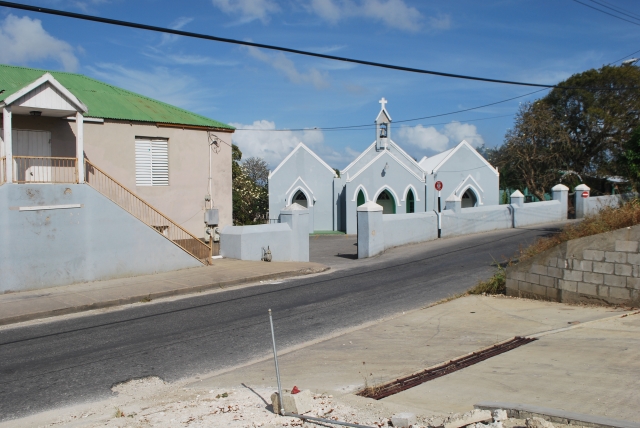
[77, 359]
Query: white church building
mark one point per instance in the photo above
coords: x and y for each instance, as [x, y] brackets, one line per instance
[383, 173]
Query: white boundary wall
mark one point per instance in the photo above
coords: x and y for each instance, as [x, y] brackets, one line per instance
[378, 232]
[287, 240]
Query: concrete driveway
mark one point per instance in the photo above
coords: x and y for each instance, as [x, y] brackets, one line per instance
[590, 368]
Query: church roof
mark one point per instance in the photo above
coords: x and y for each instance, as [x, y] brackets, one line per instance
[429, 164]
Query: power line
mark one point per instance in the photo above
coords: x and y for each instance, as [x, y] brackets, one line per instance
[264, 46]
[616, 9]
[369, 127]
[633, 53]
[606, 13]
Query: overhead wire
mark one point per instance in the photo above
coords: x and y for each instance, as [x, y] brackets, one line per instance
[307, 53]
[129, 24]
[606, 13]
[617, 10]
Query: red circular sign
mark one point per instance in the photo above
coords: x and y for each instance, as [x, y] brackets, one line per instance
[438, 185]
[585, 194]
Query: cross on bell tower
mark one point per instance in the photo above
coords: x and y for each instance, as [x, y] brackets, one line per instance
[383, 126]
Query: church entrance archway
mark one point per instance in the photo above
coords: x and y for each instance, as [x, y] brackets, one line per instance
[300, 198]
[361, 199]
[385, 199]
[469, 199]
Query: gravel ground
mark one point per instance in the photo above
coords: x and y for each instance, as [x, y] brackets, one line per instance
[151, 402]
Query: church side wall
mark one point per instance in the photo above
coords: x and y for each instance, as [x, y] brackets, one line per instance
[319, 185]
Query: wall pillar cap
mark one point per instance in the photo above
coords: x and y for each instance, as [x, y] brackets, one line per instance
[370, 206]
[295, 207]
[560, 187]
[582, 188]
[453, 198]
[517, 194]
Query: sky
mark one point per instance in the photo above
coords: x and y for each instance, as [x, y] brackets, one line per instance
[277, 100]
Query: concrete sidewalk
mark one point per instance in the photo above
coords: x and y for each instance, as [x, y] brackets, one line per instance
[48, 302]
[585, 362]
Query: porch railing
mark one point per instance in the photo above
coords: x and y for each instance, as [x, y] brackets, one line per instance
[41, 169]
[3, 168]
[144, 212]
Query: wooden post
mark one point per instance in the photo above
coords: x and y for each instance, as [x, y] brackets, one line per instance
[80, 147]
[8, 145]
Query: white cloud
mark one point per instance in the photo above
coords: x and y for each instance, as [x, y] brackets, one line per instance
[23, 40]
[86, 6]
[250, 10]
[160, 83]
[284, 65]
[457, 132]
[424, 138]
[393, 13]
[259, 139]
[176, 25]
[328, 10]
[429, 138]
[184, 59]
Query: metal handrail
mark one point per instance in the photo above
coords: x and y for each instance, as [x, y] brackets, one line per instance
[44, 169]
[143, 211]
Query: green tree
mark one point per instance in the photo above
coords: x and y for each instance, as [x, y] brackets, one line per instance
[250, 199]
[532, 154]
[598, 119]
[629, 159]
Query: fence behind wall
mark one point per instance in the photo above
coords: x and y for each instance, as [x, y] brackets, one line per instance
[146, 213]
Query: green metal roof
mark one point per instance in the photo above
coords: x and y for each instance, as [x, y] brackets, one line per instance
[104, 100]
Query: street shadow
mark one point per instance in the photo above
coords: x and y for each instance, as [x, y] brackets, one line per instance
[348, 256]
[259, 396]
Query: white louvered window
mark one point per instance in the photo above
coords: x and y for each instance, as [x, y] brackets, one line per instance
[152, 162]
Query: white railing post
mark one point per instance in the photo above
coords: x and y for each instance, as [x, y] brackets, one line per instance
[8, 145]
[80, 146]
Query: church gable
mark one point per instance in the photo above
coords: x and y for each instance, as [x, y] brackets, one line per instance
[463, 154]
[301, 162]
[386, 156]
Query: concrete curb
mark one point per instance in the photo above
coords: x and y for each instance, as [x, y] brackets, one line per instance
[523, 411]
[158, 295]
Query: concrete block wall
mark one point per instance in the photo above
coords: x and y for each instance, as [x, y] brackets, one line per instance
[603, 268]
[287, 240]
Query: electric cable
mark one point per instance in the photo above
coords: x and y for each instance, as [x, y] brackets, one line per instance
[620, 11]
[606, 13]
[270, 47]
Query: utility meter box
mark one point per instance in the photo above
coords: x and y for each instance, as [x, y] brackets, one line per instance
[211, 217]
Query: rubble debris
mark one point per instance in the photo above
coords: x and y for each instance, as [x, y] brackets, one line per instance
[461, 420]
[536, 422]
[299, 403]
[403, 420]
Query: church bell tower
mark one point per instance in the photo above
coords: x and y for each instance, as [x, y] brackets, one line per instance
[383, 127]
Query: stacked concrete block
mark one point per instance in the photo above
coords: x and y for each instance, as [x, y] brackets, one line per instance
[603, 268]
